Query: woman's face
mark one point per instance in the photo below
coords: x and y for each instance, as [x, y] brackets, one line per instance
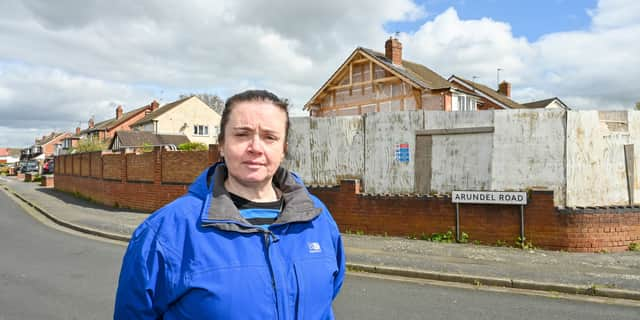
[254, 142]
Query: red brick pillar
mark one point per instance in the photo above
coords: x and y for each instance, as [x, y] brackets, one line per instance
[157, 165]
[214, 156]
[123, 166]
[101, 166]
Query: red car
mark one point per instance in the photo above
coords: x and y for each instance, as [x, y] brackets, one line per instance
[47, 167]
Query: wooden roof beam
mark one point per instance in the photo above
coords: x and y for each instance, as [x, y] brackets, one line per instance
[361, 83]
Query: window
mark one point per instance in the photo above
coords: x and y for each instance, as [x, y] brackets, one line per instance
[200, 130]
[465, 103]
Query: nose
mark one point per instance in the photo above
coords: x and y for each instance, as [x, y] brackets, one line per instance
[256, 144]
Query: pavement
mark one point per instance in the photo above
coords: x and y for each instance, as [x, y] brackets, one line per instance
[614, 275]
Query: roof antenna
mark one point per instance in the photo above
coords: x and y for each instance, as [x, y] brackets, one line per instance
[397, 34]
[498, 76]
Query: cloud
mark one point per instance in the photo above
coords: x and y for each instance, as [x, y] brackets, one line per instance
[67, 62]
[54, 100]
[468, 48]
[592, 68]
[611, 14]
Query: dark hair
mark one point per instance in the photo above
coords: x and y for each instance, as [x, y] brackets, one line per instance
[252, 95]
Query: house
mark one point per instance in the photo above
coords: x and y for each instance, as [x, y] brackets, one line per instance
[370, 81]
[551, 103]
[105, 130]
[470, 96]
[71, 142]
[189, 117]
[45, 148]
[8, 155]
[134, 140]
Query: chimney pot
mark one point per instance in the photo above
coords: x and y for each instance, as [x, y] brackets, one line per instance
[91, 123]
[77, 131]
[393, 50]
[505, 88]
[154, 105]
[118, 112]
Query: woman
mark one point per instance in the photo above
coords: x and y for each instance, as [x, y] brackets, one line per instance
[246, 242]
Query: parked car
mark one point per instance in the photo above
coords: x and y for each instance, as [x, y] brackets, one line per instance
[20, 164]
[47, 167]
[30, 166]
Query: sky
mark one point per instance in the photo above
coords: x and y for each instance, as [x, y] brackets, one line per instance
[63, 62]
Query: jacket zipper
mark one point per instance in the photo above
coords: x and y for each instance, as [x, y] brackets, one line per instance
[267, 244]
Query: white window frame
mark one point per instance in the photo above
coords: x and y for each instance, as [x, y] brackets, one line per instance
[201, 130]
[464, 102]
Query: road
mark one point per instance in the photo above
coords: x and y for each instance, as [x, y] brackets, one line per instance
[373, 298]
[49, 274]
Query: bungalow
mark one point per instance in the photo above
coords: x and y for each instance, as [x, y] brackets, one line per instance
[189, 117]
[470, 96]
[131, 141]
[551, 103]
[370, 81]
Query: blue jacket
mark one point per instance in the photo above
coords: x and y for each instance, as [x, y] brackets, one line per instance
[197, 258]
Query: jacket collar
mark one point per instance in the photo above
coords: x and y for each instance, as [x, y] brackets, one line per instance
[223, 214]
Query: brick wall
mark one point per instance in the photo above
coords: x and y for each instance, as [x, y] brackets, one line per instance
[96, 164]
[85, 164]
[183, 166]
[166, 176]
[111, 166]
[585, 230]
[133, 180]
[46, 181]
[140, 167]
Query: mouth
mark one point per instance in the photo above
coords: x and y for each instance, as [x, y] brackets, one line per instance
[253, 164]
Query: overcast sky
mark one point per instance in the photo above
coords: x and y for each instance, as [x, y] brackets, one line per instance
[62, 62]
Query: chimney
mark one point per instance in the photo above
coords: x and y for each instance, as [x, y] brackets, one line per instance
[90, 123]
[118, 112]
[505, 88]
[77, 131]
[393, 50]
[154, 105]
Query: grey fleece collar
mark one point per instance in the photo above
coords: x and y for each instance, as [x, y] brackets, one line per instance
[223, 214]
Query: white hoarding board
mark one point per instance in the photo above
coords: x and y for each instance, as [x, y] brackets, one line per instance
[490, 197]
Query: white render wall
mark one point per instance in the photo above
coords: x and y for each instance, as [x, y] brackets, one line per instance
[596, 172]
[529, 151]
[325, 150]
[577, 154]
[460, 161]
[383, 133]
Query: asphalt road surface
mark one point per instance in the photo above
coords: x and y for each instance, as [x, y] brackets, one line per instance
[372, 298]
[49, 274]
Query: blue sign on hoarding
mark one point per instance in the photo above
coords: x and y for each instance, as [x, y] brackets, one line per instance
[402, 152]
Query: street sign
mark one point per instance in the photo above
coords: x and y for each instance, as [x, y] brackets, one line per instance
[490, 197]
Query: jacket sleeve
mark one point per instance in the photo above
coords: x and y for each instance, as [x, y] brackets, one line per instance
[341, 260]
[141, 290]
